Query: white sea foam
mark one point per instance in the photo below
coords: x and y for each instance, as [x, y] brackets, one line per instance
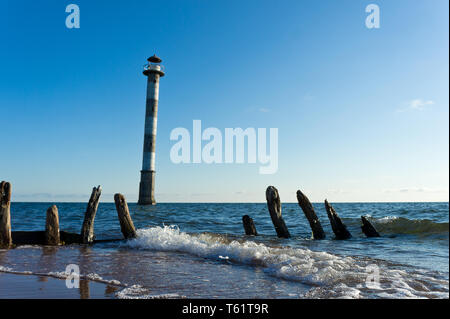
[5, 269]
[12, 271]
[386, 219]
[329, 275]
[139, 292]
[63, 275]
[131, 292]
[90, 276]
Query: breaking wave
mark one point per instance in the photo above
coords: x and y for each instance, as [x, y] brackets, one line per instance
[328, 275]
[401, 225]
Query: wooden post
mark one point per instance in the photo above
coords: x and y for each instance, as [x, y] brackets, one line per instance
[126, 224]
[274, 205]
[52, 226]
[5, 215]
[368, 229]
[338, 227]
[87, 231]
[308, 209]
[84, 289]
[249, 226]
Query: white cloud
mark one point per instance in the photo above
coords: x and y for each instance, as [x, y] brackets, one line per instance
[417, 104]
[264, 110]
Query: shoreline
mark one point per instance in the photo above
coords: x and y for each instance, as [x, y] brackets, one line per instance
[31, 286]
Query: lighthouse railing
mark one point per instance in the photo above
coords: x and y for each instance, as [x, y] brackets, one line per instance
[154, 67]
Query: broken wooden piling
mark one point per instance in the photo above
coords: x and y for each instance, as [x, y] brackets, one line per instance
[5, 215]
[87, 230]
[52, 235]
[368, 229]
[84, 289]
[308, 210]
[126, 224]
[339, 229]
[274, 206]
[249, 226]
[52, 226]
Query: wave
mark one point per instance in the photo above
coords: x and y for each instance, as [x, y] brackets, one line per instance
[328, 275]
[139, 292]
[128, 292]
[402, 225]
[64, 275]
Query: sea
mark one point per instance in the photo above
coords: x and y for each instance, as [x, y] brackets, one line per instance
[200, 250]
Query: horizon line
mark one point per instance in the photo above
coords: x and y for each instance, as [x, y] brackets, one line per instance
[164, 202]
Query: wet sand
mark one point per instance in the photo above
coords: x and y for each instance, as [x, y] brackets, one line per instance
[14, 286]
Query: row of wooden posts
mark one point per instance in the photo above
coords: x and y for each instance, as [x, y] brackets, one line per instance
[52, 235]
[274, 206]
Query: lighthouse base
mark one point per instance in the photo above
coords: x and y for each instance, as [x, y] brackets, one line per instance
[147, 188]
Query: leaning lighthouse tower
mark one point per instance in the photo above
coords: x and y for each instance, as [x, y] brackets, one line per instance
[153, 70]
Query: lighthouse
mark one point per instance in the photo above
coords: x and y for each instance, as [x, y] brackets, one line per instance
[153, 70]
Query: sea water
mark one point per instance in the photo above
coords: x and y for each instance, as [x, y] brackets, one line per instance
[199, 250]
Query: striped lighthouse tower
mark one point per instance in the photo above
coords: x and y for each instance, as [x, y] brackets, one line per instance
[153, 70]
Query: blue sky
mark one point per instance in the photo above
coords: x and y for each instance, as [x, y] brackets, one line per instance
[362, 113]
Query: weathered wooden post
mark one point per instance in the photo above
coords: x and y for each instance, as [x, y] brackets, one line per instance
[52, 226]
[249, 226]
[308, 209]
[5, 215]
[368, 228]
[87, 230]
[84, 289]
[338, 227]
[274, 205]
[126, 224]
